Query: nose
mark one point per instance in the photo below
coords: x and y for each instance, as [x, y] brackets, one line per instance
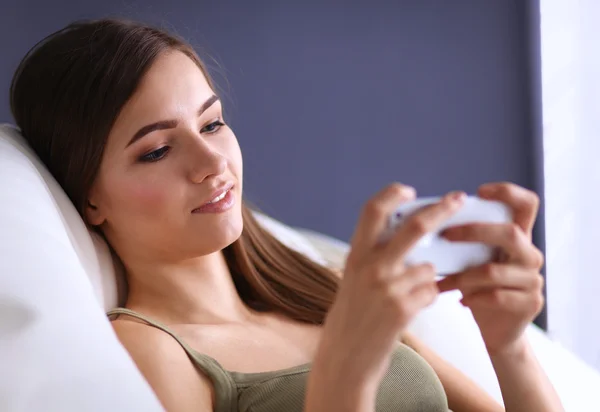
[205, 160]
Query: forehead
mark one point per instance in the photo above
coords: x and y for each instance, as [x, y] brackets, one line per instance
[174, 87]
[173, 75]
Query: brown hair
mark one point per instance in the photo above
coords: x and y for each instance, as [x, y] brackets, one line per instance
[65, 97]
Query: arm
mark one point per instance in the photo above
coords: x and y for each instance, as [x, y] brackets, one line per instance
[159, 357]
[524, 385]
[463, 394]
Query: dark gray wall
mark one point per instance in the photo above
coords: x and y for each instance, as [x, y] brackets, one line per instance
[332, 102]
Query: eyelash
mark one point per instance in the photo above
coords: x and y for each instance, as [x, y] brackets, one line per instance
[160, 153]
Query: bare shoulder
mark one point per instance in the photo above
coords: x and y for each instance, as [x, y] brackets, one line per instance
[159, 357]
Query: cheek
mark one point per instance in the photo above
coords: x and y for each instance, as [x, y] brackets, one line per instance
[142, 199]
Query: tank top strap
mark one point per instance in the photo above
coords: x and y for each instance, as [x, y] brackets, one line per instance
[224, 386]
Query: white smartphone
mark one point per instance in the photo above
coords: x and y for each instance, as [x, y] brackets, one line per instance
[450, 257]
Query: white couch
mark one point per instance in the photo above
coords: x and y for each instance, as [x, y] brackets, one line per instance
[59, 353]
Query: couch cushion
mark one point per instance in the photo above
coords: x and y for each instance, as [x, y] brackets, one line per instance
[57, 348]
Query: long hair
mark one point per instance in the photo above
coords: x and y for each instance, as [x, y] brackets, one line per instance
[65, 97]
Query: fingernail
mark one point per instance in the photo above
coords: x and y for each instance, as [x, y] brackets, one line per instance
[409, 191]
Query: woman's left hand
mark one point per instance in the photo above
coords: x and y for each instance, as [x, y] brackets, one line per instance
[504, 295]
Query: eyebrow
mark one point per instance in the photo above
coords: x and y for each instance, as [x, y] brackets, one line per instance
[168, 124]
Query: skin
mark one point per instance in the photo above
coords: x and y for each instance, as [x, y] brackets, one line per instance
[177, 273]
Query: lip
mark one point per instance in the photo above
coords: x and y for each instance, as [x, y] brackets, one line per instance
[218, 192]
[221, 206]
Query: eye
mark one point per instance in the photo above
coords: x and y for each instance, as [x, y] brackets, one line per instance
[212, 127]
[155, 155]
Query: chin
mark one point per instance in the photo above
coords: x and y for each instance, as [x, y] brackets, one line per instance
[233, 232]
[216, 234]
[231, 226]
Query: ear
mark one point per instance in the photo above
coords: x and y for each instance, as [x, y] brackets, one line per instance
[93, 214]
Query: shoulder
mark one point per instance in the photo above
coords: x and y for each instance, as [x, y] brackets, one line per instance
[159, 357]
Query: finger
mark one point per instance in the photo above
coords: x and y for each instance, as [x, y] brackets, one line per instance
[523, 203]
[416, 299]
[492, 276]
[509, 237]
[423, 296]
[420, 223]
[514, 301]
[414, 277]
[375, 213]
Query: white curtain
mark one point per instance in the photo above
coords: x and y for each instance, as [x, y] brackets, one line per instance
[570, 36]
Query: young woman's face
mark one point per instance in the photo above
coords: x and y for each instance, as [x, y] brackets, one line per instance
[168, 154]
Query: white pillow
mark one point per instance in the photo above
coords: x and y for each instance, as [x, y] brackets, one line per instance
[57, 349]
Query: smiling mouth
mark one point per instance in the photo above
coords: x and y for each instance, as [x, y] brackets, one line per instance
[220, 197]
[221, 202]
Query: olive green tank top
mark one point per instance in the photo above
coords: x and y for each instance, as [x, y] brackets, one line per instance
[410, 384]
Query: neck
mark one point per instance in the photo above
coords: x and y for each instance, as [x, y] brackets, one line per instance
[197, 291]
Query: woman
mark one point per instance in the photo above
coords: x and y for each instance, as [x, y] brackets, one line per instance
[126, 118]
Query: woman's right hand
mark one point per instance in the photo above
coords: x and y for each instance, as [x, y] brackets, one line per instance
[379, 295]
